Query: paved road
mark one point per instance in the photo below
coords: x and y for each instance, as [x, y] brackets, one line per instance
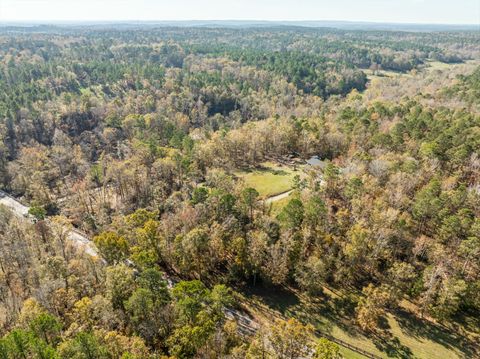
[79, 239]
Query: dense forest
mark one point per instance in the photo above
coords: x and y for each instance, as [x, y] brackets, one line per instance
[147, 139]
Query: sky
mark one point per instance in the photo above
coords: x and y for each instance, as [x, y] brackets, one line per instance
[398, 11]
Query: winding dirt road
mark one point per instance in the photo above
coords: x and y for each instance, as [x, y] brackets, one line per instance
[278, 197]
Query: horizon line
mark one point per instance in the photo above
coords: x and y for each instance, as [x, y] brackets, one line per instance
[123, 21]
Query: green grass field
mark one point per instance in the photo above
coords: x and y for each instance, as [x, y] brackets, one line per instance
[269, 180]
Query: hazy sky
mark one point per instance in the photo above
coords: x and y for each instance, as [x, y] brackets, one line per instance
[411, 11]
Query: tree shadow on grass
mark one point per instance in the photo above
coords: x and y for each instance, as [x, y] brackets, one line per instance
[468, 321]
[423, 329]
[390, 345]
[276, 298]
[277, 172]
[274, 171]
[324, 312]
[265, 169]
[320, 310]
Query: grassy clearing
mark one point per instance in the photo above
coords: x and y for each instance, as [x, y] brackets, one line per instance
[270, 179]
[383, 74]
[402, 335]
[437, 65]
[430, 66]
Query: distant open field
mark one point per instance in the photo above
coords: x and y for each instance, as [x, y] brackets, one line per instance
[430, 66]
[381, 74]
[437, 65]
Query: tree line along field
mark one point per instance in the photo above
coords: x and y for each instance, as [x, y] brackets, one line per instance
[181, 152]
